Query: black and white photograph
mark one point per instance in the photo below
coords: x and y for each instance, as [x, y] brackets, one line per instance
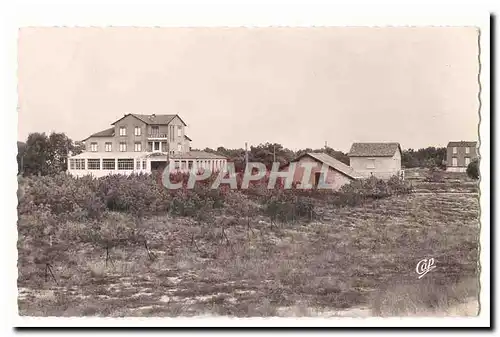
[249, 172]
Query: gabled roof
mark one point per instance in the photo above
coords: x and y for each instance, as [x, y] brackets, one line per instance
[462, 144]
[104, 133]
[197, 155]
[331, 162]
[188, 138]
[374, 149]
[153, 119]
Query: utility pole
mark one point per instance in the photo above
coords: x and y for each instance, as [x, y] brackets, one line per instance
[274, 153]
[246, 156]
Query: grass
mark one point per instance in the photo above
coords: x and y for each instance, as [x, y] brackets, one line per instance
[354, 257]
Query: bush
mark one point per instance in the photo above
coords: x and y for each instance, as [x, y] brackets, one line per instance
[62, 195]
[473, 169]
[434, 175]
[372, 188]
[138, 195]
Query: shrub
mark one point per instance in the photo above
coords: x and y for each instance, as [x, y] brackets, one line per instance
[473, 169]
[434, 175]
[362, 190]
[286, 206]
[63, 195]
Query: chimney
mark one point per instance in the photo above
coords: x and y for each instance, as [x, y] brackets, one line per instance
[153, 116]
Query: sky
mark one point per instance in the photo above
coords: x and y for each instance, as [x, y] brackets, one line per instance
[300, 87]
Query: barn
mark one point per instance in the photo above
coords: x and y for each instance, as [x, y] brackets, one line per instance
[337, 173]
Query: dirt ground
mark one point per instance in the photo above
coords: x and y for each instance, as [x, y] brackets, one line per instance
[352, 261]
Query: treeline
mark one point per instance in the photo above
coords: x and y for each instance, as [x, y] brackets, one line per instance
[46, 154]
[269, 152]
[430, 157]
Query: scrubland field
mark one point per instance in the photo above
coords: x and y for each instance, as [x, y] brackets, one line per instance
[122, 246]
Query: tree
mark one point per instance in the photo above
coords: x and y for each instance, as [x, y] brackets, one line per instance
[36, 154]
[21, 148]
[59, 148]
[268, 153]
[425, 157]
[77, 148]
[473, 169]
[48, 154]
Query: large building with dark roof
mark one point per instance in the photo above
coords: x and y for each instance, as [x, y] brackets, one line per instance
[139, 143]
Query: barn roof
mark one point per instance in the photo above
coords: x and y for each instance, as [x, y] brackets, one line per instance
[331, 162]
[462, 144]
[373, 149]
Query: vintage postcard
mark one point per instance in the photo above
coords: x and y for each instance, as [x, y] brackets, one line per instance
[250, 172]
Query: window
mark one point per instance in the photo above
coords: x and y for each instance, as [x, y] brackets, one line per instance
[77, 164]
[150, 146]
[93, 147]
[157, 146]
[143, 164]
[183, 165]
[370, 163]
[108, 164]
[123, 131]
[94, 164]
[123, 147]
[108, 147]
[454, 150]
[177, 165]
[179, 147]
[454, 161]
[137, 131]
[137, 147]
[125, 164]
[164, 147]
[155, 130]
[138, 164]
[467, 150]
[467, 161]
[179, 131]
[190, 164]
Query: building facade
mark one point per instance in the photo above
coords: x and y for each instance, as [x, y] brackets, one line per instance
[141, 144]
[381, 160]
[459, 155]
[337, 174]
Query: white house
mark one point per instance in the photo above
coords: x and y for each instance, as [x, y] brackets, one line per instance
[381, 160]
